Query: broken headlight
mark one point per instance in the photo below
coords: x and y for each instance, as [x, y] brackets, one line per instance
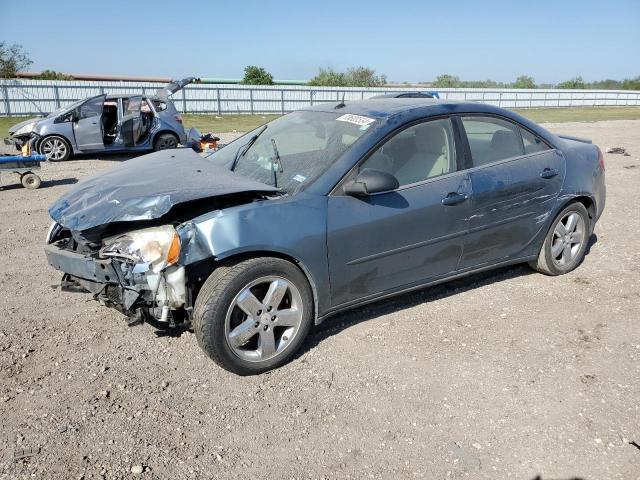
[155, 247]
[25, 129]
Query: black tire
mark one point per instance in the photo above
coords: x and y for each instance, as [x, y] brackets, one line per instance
[547, 262]
[51, 143]
[30, 180]
[165, 141]
[215, 299]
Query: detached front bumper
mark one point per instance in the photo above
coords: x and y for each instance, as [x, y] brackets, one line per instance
[131, 290]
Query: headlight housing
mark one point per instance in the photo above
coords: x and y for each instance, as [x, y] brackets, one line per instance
[25, 129]
[157, 247]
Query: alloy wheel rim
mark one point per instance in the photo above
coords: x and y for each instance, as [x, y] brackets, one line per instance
[568, 237]
[166, 143]
[263, 319]
[54, 149]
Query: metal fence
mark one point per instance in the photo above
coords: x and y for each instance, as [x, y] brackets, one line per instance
[34, 97]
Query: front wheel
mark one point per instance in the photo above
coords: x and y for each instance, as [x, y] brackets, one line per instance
[55, 148]
[566, 242]
[252, 316]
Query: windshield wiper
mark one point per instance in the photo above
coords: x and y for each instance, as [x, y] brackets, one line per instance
[278, 161]
[242, 150]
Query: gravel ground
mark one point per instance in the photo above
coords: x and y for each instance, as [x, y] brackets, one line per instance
[509, 374]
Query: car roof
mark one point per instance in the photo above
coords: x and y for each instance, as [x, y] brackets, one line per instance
[415, 108]
[387, 107]
[408, 94]
[115, 96]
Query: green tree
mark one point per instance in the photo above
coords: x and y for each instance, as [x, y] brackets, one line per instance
[53, 75]
[364, 77]
[446, 81]
[13, 59]
[328, 77]
[256, 76]
[524, 81]
[574, 83]
[631, 83]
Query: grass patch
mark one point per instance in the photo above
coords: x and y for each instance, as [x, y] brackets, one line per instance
[227, 123]
[244, 123]
[579, 114]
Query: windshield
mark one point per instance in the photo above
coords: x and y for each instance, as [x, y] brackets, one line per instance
[71, 106]
[307, 144]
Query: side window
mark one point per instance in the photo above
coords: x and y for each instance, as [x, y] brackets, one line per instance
[92, 107]
[492, 139]
[417, 153]
[159, 105]
[532, 144]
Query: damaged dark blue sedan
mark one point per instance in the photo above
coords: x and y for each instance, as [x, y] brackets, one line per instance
[322, 210]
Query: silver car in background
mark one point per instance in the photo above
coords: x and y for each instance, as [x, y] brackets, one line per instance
[106, 123]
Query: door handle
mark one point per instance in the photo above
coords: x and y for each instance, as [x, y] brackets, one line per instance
[549, 173]
[454, 198]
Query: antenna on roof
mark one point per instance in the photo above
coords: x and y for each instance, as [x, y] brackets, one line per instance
[341, 104]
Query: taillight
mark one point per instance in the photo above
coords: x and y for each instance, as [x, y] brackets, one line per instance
[600, 158]
[178, 118]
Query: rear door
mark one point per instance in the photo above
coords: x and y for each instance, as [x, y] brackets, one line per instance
[87, 125]
[131, 123]
[516, 178]
[390, 241]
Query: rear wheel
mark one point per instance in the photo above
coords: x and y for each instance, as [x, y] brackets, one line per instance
[55, 148]
[252, 316]
[565, 243]
[165, 141]
[30, 180]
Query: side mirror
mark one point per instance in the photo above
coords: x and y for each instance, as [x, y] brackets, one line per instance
[371, 181]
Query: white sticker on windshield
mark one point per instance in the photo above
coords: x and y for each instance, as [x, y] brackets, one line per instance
[300, 178]
[355, 119]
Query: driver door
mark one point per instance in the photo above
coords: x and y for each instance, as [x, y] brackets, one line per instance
[131, 123]
[87, 125]
[388, 241]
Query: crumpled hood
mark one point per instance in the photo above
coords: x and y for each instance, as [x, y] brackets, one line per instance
[147, 187]
[13, 129]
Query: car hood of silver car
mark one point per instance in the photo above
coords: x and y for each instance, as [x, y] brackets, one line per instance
[146, 188]
[18, 126]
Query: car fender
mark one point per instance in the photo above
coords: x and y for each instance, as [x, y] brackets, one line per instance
[62, 129]
[293, 227]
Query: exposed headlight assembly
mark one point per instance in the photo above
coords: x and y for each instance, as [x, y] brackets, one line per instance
[157, 247]
[25, 129]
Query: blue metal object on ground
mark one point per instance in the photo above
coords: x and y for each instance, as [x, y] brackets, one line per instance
[23, 165]
[37, 158]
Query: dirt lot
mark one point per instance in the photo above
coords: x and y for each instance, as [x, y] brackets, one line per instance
[504, 375]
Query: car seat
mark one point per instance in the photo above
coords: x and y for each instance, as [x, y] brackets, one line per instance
[430, 156]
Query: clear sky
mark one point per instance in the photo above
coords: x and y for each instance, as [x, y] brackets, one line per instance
[407, 41]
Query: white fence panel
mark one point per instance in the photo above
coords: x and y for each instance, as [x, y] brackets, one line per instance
[34, 97]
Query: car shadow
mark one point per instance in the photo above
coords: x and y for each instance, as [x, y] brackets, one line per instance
[338, 322]
[44, 184]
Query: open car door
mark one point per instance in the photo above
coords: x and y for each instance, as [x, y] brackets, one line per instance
[173, 86]
[131, 123]
[87, 124]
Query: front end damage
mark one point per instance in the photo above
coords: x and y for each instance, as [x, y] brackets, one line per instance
[142, 287]
[120, 235]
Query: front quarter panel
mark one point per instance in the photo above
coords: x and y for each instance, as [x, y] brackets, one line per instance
[49, 127]
[294, 227]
